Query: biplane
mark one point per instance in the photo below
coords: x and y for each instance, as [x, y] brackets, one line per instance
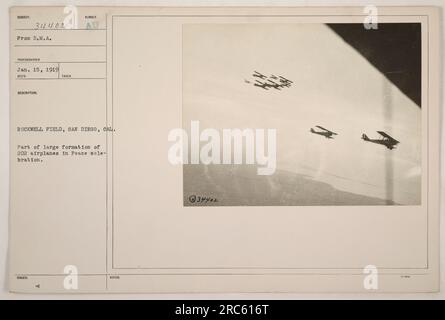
[259, 75]
[284, 80]
[274, 85]
[260, 84]
[386, 140]
[324, 132]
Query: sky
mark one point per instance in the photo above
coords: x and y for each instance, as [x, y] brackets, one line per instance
[333, 86]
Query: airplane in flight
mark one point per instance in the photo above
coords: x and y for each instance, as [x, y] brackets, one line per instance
[259, 75]
[273, 81]
[274, 85]
[325, 132]
[260, 84]
[285, 82]
[386, 140]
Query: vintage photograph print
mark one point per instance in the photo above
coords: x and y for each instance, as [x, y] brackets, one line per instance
[301, 114]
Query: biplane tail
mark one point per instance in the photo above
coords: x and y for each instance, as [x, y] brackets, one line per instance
[365, 137]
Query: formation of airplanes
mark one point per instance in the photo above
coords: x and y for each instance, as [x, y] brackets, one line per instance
[279, 82]
[270, 82]
[385, 139]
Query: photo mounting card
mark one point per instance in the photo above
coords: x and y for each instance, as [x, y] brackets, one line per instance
[229, 149]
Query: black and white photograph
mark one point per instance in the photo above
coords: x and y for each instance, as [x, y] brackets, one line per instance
[344, 102]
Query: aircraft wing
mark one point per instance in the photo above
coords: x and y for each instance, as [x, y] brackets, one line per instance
[320, 127]
[262, 83]
[387, 136]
